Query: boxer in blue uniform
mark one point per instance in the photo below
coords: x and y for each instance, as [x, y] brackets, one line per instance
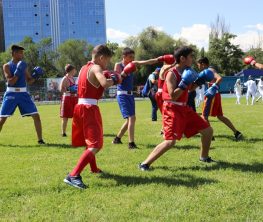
[16, 95]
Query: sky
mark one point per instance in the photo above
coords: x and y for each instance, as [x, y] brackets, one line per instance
[189, 19]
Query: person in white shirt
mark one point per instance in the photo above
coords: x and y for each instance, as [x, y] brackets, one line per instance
[238, 90]
[200, 95]
[260, 89]
[251, 89]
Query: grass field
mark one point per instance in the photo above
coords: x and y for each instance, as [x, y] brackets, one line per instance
[180, 188]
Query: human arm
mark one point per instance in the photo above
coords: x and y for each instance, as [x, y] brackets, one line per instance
[11, 80]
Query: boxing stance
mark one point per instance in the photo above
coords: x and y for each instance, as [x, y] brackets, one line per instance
[212, 101]
[125, 96]
[69, 98]
[16, 95]
[178, 118]
[87, 127]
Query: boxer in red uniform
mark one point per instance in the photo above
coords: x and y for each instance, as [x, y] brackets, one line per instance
[161, 79]
[87, 124]
[69, 99]
[178, 118]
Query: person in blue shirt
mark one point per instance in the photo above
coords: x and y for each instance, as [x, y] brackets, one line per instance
[153, 81]
[16, 95]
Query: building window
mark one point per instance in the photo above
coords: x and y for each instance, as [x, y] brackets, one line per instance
[35, 14]
[35, 5]
[36, 33]
[47, 24]
[46, 15]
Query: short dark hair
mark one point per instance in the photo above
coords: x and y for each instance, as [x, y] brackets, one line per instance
[182, 51]
[69, 68]
[15, 48]
[203, 60]
[127, 51]
[101, 50]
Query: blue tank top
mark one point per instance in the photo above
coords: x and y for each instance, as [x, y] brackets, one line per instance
[127, 83]
[21, 82]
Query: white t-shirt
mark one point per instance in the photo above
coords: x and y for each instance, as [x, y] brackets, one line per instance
[251, 86]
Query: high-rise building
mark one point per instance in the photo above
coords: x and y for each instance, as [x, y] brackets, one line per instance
[58, 19]
[2, 37]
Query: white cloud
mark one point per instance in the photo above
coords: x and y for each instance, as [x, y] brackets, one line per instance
[197, 34]
[248, 39]
[158, 28]
[258, 26]
[114, 35]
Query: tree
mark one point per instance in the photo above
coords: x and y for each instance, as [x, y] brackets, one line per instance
[75, 52]
[225, 56]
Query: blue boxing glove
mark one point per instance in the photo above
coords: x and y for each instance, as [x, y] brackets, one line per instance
[73, 88]
[189, 76]
[211, 91]
[206, 75]
[20, 69]
[37, 72]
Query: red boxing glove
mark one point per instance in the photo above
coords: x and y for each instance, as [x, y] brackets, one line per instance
[131, 67]
[168, 59]
[107, 74]
[249, 60]
[116, 78]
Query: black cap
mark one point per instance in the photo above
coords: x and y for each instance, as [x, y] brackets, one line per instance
[16, 48]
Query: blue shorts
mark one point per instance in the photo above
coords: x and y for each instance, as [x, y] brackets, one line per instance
[127, 105]
[21, 99]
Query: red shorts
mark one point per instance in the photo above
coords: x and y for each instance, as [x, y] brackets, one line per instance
[87, 126]
[212, 106]
[67, 106]
[181, 120]
[159, 101]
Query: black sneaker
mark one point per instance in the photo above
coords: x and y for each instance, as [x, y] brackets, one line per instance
[75, 181]
[207, 160]
[64, 135]
[41, 142]
[132, 145]
[238, 135]
[144, 167]
[161, 133]
[213, 138]
[117, 140]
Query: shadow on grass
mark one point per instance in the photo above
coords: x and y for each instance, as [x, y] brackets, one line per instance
[109, 135]
[254, 167]
[177, 146]
[244, 139]
[49, 145]
[179, 180]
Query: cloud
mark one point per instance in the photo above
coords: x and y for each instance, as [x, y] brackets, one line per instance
[258, 26]
[197, 34]
[114, 35]
[248, 39]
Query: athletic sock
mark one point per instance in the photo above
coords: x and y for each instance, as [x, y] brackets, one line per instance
[84, 160]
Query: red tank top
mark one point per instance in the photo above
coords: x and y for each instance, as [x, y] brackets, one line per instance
[160, 82]
[70, 80]
[85, 88]
[184, 96]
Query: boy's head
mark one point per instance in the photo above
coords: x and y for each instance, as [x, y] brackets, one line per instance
[184, 56]
[17, 52]
[101, 55]
[203, 63]
[70, 69]
[128, 55]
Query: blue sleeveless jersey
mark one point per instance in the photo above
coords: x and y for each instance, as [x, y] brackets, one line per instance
[21, 82]
[127, 83]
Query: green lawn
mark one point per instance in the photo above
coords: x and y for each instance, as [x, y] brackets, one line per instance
[180, 188]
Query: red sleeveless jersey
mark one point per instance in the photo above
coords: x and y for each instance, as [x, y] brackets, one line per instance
[85, 88]
[184, 96]
[160, 83]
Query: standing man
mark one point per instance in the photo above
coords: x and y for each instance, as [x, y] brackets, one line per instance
[69, 99]
[16, 95]
[212, 101]
[178, 118]
[238, 90]
[251, 89]
[87, 127]
[153, 80]
[125, 96]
